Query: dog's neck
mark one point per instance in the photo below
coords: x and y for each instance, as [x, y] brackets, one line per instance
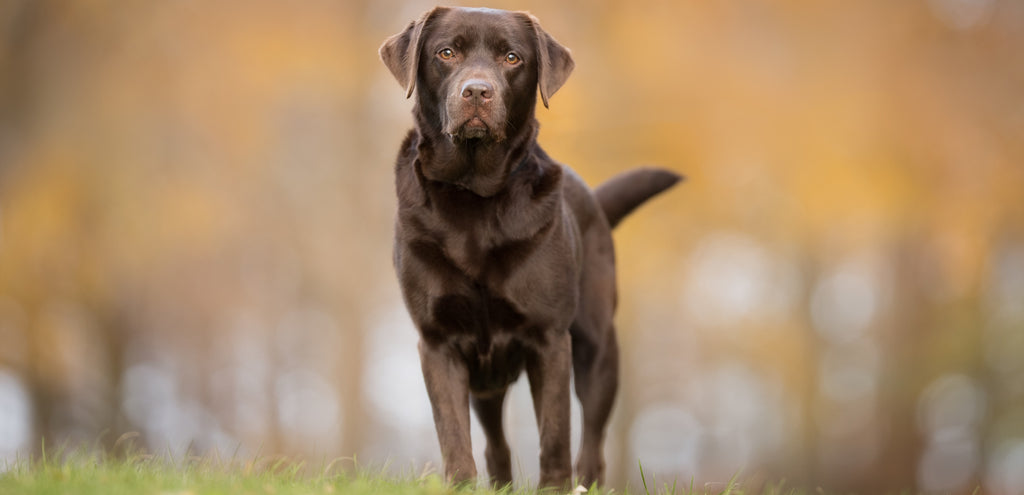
[481, 166]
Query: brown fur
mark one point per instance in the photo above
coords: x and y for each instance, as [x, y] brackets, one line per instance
[504, 256]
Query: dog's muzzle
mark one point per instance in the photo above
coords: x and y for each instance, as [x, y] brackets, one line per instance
[475, 111]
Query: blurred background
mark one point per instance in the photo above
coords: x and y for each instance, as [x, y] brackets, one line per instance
[195, 234]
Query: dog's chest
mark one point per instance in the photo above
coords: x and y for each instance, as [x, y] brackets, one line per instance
[474, 280]
[486, 258]
[480, 293]
[487, 242]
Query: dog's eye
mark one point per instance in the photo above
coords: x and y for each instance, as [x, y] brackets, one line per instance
[512, 59]
[446, 53]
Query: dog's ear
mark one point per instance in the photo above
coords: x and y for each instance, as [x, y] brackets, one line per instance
[554, 62]
[401, 52]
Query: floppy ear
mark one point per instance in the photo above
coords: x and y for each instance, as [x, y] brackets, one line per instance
[554, 64]
[401, 52]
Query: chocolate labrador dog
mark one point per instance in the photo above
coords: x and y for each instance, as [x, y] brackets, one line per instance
[504, 256]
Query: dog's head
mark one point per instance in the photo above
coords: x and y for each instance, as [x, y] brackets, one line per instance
[476, 71]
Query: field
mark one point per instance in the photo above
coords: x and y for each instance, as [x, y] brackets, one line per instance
[85, 473]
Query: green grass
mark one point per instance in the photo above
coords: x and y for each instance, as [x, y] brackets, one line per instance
[83, 473]
[89, 473]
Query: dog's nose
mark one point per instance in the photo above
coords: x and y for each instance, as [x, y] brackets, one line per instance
[477, 89]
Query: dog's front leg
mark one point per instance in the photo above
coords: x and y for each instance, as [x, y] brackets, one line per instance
[548, 371]
[447, 382]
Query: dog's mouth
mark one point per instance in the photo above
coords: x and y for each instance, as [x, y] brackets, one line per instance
[466, 122]
[474, 128]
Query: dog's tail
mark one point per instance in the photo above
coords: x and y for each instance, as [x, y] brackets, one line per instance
[621, 194]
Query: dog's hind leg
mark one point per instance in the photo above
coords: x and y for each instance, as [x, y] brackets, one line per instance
[499, 459]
